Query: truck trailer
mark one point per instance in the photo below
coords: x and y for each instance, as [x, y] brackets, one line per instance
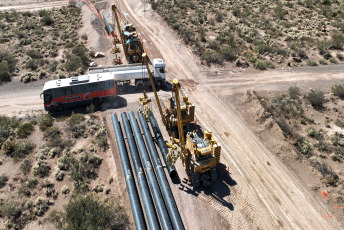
[136, 74]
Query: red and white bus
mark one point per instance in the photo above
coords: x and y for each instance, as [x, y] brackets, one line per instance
[85, 89]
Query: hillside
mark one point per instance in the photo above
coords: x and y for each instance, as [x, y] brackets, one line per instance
[262, 34]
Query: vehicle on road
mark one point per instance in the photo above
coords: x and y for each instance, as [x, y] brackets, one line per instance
[100, 82]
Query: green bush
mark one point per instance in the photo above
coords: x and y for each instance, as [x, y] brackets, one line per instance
[228, 54]
[260, 65]
[98, 214]
[84, 169]
[25, 129]
[340, 56]
[7, 127]
[34, 54]
[337, 139]
[47, 20]
[337, 41]
[45, 122]
[211, 57]
[8, 147]
[54, 139]
[18, 150]
[333, 60]
[59, 175]
[330, 177]
[76, 124]
[312, 62]
[65, 162]
[41, 206]
[100, 137]
[323, 146]
[3, 180]
[26, 166]
[339, 123]
[294, 92]
[313, 133]
[303, 146]
[323, 62]
[51, 133]
[84, 36]
[10, 60]
[316, 98]
[73, 63]
[41, 168]
[81, 51]
[32, 64]
[338, 90]
[4, 72]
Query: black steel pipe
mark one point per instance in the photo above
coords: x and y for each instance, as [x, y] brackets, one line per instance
[136, 209]
[147, 202]
[162, 145]
[152, 181]
[159, 171]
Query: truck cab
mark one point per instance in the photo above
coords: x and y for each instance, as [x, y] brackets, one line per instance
[159, 72]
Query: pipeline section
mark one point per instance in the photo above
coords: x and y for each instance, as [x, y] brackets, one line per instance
[139, 220]
[152, 181]
[162, 145]
[148, 205]
[160, 174]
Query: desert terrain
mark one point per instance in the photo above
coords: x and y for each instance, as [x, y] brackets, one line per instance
[263, 183]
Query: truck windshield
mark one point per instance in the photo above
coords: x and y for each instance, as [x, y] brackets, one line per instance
[47, 97]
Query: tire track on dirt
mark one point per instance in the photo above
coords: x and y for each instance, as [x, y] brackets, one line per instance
[243, 149]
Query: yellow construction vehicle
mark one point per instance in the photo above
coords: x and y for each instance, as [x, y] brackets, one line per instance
[199, 155]
[132, 44]
[187, 111]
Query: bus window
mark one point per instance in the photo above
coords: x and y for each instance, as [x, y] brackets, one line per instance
[83, 88]
[76, 89]
[93, 87]
[110, 84]
[56, 93]
[65, 91]
[102, 85]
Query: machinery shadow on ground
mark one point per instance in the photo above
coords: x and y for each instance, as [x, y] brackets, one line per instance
[131, 89]
[114, 102]
[217, 191]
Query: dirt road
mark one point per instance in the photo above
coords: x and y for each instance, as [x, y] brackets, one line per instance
[260, 192]
[266, 196]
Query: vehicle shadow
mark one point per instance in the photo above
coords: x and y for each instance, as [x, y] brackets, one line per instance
[113, 102]
[131, 89]
[217, 191]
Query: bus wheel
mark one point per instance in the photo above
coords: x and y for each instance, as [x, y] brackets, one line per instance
[96, 102]
[139, 85]
[60, 107]
[158, 84]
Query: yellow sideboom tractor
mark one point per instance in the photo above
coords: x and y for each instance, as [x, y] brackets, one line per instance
[199, 155]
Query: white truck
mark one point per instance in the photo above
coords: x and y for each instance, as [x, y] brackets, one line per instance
[135, 73]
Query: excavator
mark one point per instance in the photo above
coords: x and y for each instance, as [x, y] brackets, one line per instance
[132, 44]
[199, 155]
[187, 112]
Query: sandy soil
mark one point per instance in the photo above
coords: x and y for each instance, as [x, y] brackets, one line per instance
[266, 196]
[259, 191]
